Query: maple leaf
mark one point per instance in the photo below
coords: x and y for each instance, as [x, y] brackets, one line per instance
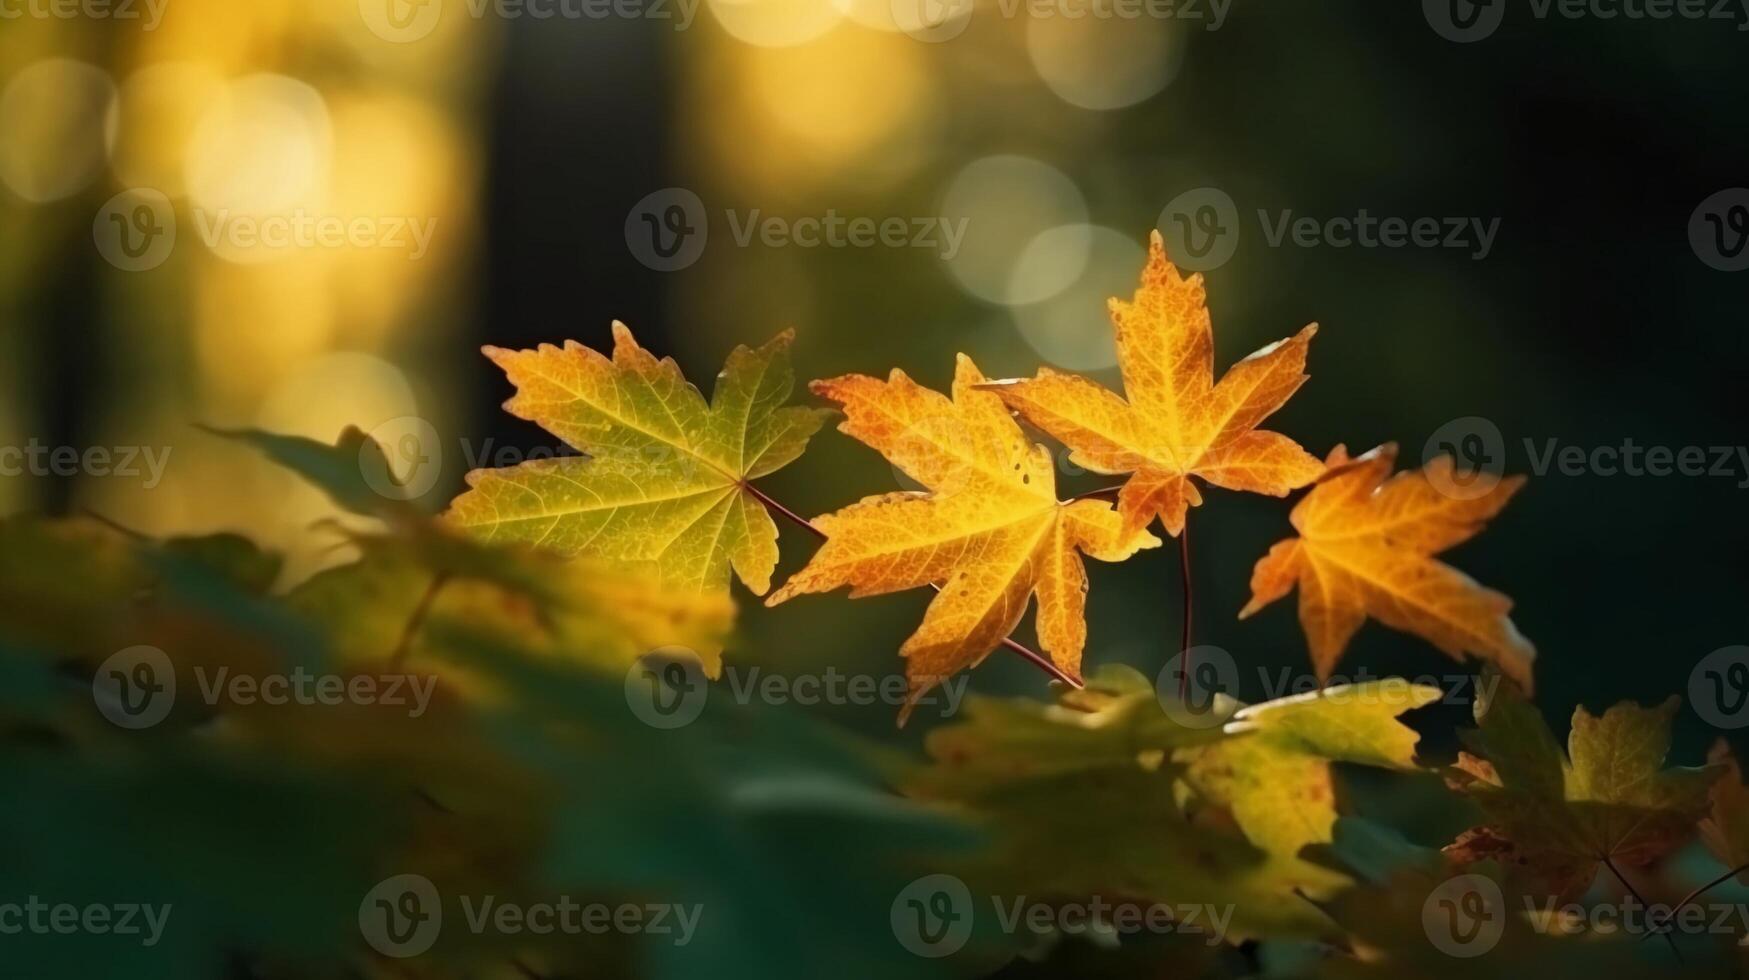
[1557, 817]
[991, 531]
[1174, 421]
[1123, 799]
[666, 481]
[1726, 827]
[1366, 547]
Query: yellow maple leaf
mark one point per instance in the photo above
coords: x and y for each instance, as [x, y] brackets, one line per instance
[1174, 421]
[1366, 546]
[991, 531]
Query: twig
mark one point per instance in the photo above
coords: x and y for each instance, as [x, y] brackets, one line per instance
[1691, 896]
[1038, 660]
[1635, 892]
[417, 619]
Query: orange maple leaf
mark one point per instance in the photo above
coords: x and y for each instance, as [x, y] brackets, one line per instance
[991, 531]
[1174, 421]
[1366, 547]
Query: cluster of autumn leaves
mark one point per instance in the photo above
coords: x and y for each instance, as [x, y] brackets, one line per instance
[666, 486]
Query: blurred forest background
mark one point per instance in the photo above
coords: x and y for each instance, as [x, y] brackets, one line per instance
[529, 141]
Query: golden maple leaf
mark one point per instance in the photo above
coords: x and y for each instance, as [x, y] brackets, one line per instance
[1366, 547]
[991, 531]
[1174, 421]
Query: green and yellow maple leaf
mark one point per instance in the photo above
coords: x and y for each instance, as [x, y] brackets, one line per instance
[1556, 818]
[1106, 793]
[666, 478]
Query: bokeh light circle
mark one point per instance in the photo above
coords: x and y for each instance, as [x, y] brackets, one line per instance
[1006, 202]
[1071, 329]
[1104, 62]
[51, 128]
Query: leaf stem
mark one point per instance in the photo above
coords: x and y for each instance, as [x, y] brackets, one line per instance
[416, 620]
[1037, 659]
[1691, 896]
[1635, 892]
[1184, 642]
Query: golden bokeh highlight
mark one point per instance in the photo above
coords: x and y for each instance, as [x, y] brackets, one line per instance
[51, 128]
